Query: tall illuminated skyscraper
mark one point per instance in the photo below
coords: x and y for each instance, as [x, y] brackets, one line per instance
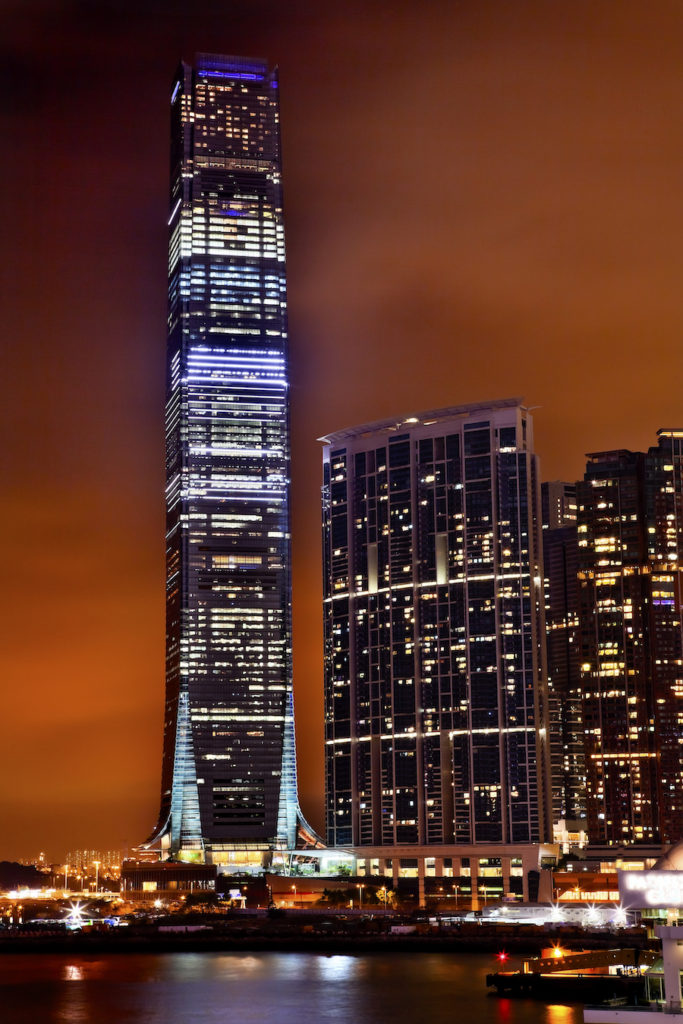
[435, 686]
[229, 773]
[563, 645]
[630, 528]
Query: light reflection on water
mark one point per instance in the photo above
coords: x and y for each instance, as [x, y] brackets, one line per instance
[561, 1014]
[241, 988]
[335, 968]
[73, 972]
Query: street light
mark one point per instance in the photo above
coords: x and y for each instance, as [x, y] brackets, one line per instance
[75, 914]
[294, 891]
[66, 876]
[360, 899]
[97, 874]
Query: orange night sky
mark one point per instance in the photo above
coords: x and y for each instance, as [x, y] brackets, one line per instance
[482, 199]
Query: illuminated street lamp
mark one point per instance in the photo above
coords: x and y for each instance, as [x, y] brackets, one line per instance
[592, 916]
[294, 891]
[97, 874]
[620, 916]
[360, 898]
[74, 915]
[66, 876]
[555, 912]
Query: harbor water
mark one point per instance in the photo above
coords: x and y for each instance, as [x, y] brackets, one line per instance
[282, 988]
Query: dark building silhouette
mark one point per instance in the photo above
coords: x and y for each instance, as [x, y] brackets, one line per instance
[229, 777]
[630, 523]
[435, 696]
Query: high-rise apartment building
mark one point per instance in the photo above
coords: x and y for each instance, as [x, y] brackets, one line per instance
[560, 560]
[630, 523]
[435, 686]
[229, 777]
[558, 504]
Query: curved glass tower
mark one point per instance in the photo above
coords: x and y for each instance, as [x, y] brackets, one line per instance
[435, 676]
[229, 772]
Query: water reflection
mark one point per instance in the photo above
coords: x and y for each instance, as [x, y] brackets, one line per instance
[504, 1008]
[561, 1014]
[244, 988]
[336, 968]
[72, 1007]
[73, 972]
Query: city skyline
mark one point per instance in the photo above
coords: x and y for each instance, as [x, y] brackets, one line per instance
[455, 234]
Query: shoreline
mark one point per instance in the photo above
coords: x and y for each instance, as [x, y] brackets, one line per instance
[340, 944]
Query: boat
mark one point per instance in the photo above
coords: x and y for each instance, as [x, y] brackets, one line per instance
[662, 988]
[595, 975]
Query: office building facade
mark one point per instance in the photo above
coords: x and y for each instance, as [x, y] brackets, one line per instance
[563, 645]
[630, 528]
[435, 692]
[229, 792]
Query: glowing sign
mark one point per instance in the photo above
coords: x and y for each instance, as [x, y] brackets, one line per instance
[657, 889]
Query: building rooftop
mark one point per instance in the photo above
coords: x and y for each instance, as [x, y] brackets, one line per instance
[424, 418]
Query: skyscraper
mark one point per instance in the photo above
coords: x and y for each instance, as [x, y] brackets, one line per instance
[630, 527]
[558, 504]
[435, 692]
[229, 773]
[560, 560]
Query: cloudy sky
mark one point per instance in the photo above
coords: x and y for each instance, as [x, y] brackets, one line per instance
[482, 199]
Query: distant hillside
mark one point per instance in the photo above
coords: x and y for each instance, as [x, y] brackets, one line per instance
[13, 875]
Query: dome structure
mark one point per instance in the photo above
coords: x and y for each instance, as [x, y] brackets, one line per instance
[672, 860]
